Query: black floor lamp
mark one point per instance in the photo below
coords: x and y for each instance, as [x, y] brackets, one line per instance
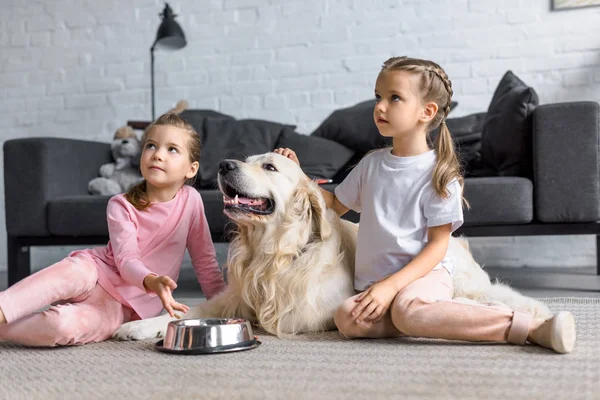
[170, 37]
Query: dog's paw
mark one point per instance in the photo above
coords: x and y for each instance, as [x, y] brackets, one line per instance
[140, 330]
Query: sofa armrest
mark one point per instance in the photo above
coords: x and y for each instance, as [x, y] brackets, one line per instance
[39, 169]
[565, 162]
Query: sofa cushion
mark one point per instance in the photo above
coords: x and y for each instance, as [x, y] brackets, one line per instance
[319, 157]
[494, 201]
[224, 138]
[506, 148]
[86, 215]
[80, 215]
[498, 201]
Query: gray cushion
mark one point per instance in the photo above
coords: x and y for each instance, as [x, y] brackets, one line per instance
[494, 201]
[565, 137]
[81, 215]
[498, 201]
[86, 215]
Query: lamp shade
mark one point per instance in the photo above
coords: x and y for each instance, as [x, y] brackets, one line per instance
[169, 35]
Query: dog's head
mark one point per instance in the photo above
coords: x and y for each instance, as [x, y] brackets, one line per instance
[266, 189]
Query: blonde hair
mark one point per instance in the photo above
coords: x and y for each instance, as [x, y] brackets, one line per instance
[137, 195]
[437, 88]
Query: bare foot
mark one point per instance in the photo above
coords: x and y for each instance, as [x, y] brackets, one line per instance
[557, 333]
[2, 318]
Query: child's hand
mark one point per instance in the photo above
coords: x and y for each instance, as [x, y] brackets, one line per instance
[163, 286]
[373, 303]
[289, 153]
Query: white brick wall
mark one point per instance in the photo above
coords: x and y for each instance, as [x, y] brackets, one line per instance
[80, 68]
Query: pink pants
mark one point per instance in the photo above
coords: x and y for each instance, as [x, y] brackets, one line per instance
[425, 308]
[81, 312]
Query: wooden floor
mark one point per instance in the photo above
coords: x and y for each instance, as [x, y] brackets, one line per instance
[535, 282]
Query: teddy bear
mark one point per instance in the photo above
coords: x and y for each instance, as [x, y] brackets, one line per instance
[124, 173]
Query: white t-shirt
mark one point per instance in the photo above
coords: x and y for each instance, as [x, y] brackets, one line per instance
[397, 203]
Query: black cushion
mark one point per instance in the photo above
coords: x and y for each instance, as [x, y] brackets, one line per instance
[86, 215]
[319, 157]
[235, 139]
[79, 215]
[506, 148]
[498, 201]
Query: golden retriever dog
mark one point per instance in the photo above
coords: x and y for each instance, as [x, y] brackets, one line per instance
[291, 260]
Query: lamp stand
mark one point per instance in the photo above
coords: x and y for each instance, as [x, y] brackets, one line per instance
[152, 77]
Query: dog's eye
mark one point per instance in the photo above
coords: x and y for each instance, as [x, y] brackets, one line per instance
[269, 167]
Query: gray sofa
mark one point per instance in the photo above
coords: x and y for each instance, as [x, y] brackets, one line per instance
[47, 203]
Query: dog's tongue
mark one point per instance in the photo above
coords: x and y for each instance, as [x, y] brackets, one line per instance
[251, 202]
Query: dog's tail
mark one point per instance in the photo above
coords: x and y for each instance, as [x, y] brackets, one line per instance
[472, 281]
[502, 293]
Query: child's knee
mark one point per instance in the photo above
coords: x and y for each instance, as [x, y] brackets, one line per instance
[66, 325]
[84, 272]
[53, 329]
[343, 318]
[84, 269]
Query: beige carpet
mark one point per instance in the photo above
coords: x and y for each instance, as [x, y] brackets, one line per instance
[323, 366]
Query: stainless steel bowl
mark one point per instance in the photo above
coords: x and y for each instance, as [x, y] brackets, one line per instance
[208, 335]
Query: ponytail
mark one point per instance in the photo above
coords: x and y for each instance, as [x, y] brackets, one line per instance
[447, 167]
[138, 197]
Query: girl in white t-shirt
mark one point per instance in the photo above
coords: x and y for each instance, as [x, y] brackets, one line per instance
[410, 200]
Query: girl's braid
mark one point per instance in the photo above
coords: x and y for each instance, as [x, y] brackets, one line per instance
[447, 84]
[423, 66]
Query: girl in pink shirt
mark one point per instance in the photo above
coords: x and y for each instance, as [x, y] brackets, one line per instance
[94, 291]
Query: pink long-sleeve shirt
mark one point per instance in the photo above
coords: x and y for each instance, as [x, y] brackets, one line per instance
[154, 242]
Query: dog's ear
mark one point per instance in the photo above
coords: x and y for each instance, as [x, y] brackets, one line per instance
[318, 211]
[308, 204]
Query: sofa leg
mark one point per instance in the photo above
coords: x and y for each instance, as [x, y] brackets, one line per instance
[19, 263]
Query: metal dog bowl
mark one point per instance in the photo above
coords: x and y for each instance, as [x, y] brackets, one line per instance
[207, 336]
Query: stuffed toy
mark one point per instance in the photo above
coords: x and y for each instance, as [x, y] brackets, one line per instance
[124, 173]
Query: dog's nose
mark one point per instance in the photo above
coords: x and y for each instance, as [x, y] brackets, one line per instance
[227, 166]
[125, 141]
